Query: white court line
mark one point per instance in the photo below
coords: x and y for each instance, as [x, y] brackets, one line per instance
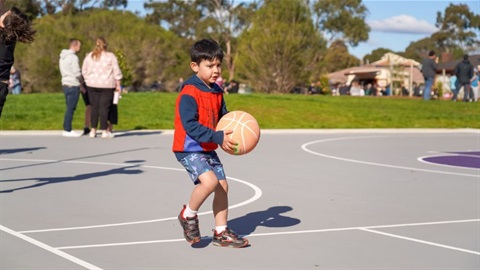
[305, 145]
[421, 241]
[46, 247]
[257, 194]
[369, 228]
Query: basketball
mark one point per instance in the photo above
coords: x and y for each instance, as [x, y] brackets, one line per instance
[246, 131]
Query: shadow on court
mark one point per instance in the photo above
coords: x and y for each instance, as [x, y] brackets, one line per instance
[55, 180]
[19, 150]
[133, 133]
[247, 224]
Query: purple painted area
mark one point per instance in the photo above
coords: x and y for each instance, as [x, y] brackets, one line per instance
[471, 153]
[467, 161]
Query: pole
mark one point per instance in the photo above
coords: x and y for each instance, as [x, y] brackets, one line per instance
[410, 90]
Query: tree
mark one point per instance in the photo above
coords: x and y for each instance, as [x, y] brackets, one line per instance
[282, 48]
[337, 57]
[221, 20]
[31, 7]
[342, 19]
[458, 26]
[227, 19]
[375, 55]
[74, 6]
[180, 16]
[419, 49]
[150, 53]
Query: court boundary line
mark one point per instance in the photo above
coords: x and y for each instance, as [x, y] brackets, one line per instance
[51, 249]
[257, 195]
[305, 145]
[361, 228]
[419, 241]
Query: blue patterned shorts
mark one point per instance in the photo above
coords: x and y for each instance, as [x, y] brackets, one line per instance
[199, 163]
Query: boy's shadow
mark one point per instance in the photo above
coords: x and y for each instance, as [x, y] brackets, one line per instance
[80, 177]
[247, 224]
[269, 218]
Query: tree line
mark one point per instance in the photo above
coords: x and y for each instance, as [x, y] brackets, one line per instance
[271, 45]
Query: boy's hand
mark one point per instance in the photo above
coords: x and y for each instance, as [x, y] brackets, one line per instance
[228, 144]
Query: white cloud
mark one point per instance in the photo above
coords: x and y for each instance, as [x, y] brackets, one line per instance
[402, 24]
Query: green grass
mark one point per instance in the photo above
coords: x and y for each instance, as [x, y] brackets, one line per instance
[155, 111]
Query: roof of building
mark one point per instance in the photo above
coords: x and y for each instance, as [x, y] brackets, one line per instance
[387, 60]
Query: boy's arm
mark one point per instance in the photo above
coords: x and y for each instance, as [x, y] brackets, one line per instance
[188, 115]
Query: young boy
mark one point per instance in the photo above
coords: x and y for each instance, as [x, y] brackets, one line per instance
[199, 106]
[14, 26]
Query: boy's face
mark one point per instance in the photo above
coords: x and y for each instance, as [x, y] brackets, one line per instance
[208, 71]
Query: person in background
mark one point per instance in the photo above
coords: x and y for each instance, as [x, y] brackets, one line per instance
[464, 73]
[404, 91]
[102, 76]
[453, 87]
[15, 83]
[356, 89]
[14, 27]
[88, 108]
[179, 85]
[231, 88]
[219, 81]
[72, 82]
[429, 69]
[474, 84]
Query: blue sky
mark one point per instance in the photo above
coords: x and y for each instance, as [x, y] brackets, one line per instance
[394, 23]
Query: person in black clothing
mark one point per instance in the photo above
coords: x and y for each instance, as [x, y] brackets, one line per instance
[231, 88]
[464, 72]
[14, 26]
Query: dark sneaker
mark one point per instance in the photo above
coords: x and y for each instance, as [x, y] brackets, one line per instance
[191, 231]
[228, 238]
[86, 131]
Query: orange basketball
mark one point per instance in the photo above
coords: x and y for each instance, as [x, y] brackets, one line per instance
[246, 131]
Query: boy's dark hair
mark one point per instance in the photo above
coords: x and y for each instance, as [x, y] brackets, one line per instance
[18, 27]
[431, 53]
[206, 49]
[465, 57]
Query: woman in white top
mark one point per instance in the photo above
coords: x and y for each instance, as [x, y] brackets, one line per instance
[102, 76]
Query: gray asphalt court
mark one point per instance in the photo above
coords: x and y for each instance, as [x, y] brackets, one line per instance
[305, 199]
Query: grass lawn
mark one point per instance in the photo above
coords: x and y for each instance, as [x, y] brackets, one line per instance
[153, 110]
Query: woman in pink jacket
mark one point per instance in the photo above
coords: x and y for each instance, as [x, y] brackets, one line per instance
[102, 76]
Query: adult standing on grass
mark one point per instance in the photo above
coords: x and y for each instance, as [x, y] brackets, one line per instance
[474, 82]
[453, 86]
[14, 27]
[72, 83]
[464, 73]
[429, 69]
[102, 75]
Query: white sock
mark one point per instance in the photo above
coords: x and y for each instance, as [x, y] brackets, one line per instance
[189, 212]
[220, 229]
